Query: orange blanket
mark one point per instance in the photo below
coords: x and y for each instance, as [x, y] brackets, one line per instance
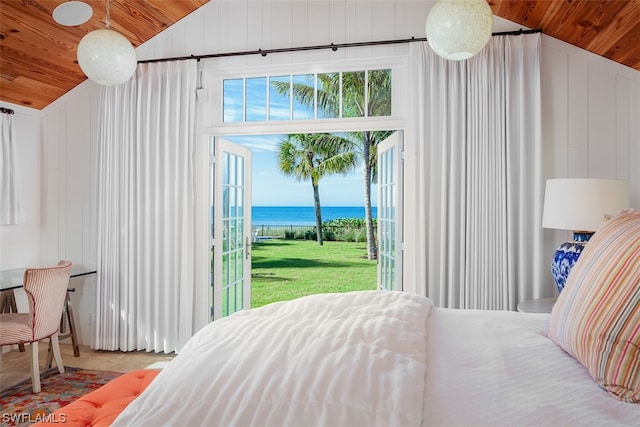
[102, 406]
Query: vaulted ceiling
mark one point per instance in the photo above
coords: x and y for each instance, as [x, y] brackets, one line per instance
[609, 28]
[38, 57]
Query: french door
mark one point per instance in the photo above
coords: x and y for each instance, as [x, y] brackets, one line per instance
[390, 236]
[231, 228]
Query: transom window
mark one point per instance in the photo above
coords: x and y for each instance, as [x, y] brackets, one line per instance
[307, 96]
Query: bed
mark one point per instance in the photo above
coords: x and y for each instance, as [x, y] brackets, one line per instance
[380, 358]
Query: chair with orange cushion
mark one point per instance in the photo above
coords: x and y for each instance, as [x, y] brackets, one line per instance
[46, 290]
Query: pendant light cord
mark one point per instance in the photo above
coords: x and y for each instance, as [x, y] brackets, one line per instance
[108, 20]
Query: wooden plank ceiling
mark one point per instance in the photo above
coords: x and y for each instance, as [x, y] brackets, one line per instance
[38, 57]
[609, 28]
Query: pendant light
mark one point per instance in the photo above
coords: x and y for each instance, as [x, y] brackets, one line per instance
[106, 56]
[459, 29]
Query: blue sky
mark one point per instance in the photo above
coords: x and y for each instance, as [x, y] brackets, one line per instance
[270, 187]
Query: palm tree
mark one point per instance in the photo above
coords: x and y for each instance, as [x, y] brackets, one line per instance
[310, 157]
[366, 148]
[363, 144]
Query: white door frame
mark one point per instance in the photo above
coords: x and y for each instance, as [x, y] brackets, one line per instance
[231, 238]
[210, 106]
[390, 213]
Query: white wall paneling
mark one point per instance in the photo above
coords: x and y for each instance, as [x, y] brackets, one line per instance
[622, 126]
[591, 111]
[577, 110]
[634, 142]
[602, 136]
[69, 133]
[591, 121]
[197, 34]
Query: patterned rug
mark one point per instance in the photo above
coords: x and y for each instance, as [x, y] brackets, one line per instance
[21, 407]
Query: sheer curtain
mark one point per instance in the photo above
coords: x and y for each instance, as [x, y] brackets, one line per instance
[151, 287]
[480, 174]
[10, 206]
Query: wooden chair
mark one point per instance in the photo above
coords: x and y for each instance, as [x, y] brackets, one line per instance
[46, 289]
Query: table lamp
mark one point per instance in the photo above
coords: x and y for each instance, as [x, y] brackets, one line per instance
[580, 205]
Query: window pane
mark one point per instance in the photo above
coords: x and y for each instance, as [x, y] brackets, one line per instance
[239, 201]
[379, 93]
[232, 105]
[353, 94]
[225, 270]
[233, 202]
[304, 87]
[334, 95]
[256, 99]
[239, 290]
[225, 235]
[279, 98]
[239, 178]
[225, 172]
[328, 95]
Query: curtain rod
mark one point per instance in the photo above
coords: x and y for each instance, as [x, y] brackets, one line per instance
[6, 110]
[331, 46]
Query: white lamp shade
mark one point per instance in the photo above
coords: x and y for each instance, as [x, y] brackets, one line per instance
[581, 204]
[107, 57]
[459, 29]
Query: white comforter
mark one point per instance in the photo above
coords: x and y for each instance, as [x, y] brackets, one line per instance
[355, 359]
[367, 359]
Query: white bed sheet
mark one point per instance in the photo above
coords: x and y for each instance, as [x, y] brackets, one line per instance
[498, 368]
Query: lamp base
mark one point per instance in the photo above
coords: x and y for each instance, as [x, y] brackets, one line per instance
[566, 256]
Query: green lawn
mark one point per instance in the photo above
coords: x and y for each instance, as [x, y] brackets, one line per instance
[288, 269]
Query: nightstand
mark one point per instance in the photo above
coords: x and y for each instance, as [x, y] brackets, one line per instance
[539, 305]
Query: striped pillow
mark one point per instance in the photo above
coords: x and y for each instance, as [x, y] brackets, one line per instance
[597, 316]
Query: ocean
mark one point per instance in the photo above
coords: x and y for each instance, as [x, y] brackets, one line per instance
[303, 215]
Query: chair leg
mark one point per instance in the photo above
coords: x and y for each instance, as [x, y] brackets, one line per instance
[35, 368]
[55, 346]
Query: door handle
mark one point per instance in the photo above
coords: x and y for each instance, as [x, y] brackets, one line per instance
[247, 245]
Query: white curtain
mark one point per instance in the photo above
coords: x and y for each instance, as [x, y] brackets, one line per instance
[151, 289]
[10, 205]
[479, 181]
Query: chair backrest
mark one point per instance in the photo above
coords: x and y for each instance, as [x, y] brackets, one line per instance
[46, 290]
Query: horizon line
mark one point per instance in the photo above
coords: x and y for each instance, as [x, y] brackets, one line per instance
[306, 206]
